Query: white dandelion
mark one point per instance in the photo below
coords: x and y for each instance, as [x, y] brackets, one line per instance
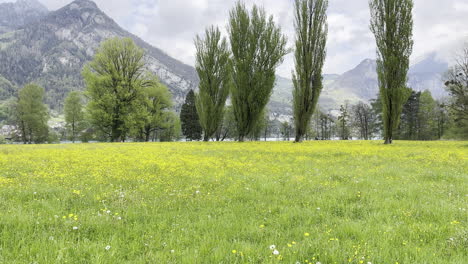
[275, 252]
[108, 247]
[272, 247]
[75, 228]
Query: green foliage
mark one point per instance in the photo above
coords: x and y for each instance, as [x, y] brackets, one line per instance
[409, 124]
[261, 127]
[3, 112]
[258, 47]
[311, 39]
[74, 115]
[154, 104]
[115, 80]
[2, 140]
[392, 25]
[7, 89]
[419, 119]
[32, 114]
[189, 118]
[53, 137]
[427, 117]
[228, 128]
[214, 70]
[172, 130]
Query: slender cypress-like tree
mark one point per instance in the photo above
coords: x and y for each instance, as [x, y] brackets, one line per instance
[189, 118]
[392, 25]
[213, 68]
[311, 39]
[258, 47]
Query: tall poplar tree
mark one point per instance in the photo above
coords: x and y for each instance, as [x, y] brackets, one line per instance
[392, 25]
[258, 47]
[213, 68]
[311, 39]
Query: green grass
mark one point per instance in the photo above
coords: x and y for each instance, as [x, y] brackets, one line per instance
[328, 202]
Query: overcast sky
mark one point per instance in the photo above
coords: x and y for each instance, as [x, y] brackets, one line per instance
[172, 24]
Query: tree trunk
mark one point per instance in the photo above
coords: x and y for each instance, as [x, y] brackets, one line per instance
[73, 132]
[206, 138]
[298, 138]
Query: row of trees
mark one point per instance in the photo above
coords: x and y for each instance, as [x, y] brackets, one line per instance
[124, 101]
[257, 47]
[245, 70]
[423, 118]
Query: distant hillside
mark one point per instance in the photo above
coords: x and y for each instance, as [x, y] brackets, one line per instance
[361, 84]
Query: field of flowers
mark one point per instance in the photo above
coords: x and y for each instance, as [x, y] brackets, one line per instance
[317, 202]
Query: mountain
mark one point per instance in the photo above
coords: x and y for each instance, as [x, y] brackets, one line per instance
[361, 83]
[53, 50]
[16, 15]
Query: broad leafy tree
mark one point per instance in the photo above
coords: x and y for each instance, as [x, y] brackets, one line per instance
[74, 114]
[32, 114]
[150, 115]
[392, 25]
[311, 39]
[213, 68]
[190, 122]
[258, 47]
[114, 82]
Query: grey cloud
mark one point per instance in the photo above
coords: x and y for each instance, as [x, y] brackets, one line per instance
[172, 25]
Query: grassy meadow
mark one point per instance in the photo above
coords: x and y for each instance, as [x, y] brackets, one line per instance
[276, 202]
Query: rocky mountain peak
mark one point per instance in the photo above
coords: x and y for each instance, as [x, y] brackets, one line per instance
[80, 13]
[80, 4]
